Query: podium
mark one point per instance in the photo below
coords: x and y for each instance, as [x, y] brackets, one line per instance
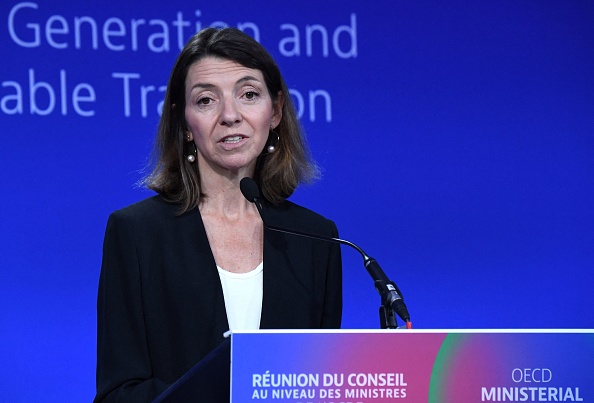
[369, 366]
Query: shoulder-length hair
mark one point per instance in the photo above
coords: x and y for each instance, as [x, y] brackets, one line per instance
[277, 174]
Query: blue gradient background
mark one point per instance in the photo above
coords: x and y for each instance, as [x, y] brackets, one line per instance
[460, 154]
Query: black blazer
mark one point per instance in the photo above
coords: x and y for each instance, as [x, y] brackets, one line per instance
[160, 305]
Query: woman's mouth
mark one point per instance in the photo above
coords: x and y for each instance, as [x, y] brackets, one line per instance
[232, 139]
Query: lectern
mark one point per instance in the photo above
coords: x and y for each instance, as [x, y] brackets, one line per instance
[373, 366]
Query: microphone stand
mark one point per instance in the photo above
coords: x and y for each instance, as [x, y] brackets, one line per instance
[391, 297]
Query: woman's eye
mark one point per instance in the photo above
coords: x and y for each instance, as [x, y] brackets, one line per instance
[251, 94]
[204, 101]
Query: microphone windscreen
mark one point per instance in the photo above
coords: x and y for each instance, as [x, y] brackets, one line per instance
[249, 189]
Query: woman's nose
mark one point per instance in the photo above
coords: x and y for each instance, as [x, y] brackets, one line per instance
[230, 113]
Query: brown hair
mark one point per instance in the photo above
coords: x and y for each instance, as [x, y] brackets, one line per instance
[277, 174]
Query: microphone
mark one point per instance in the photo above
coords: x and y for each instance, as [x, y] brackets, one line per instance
[389, 292]
[249, 189]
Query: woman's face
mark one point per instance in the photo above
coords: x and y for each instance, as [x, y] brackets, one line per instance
[229, 113]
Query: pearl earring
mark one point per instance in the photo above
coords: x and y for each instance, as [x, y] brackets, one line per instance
[272, 147]
[191, 152]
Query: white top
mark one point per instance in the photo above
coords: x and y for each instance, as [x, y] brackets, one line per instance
[243, 297]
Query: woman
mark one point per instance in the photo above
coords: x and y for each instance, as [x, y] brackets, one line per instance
[181, 268]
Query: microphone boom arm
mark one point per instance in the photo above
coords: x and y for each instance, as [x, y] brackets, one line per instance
[392, 300]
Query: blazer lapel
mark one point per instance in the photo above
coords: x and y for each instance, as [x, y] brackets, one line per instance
[209, 274]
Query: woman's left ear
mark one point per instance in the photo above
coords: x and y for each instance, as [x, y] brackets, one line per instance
[278, 110]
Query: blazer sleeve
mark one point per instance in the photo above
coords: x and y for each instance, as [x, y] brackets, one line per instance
[332, 311]
[124, 372]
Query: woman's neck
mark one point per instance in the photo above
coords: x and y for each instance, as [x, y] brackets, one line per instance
[223, 197]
